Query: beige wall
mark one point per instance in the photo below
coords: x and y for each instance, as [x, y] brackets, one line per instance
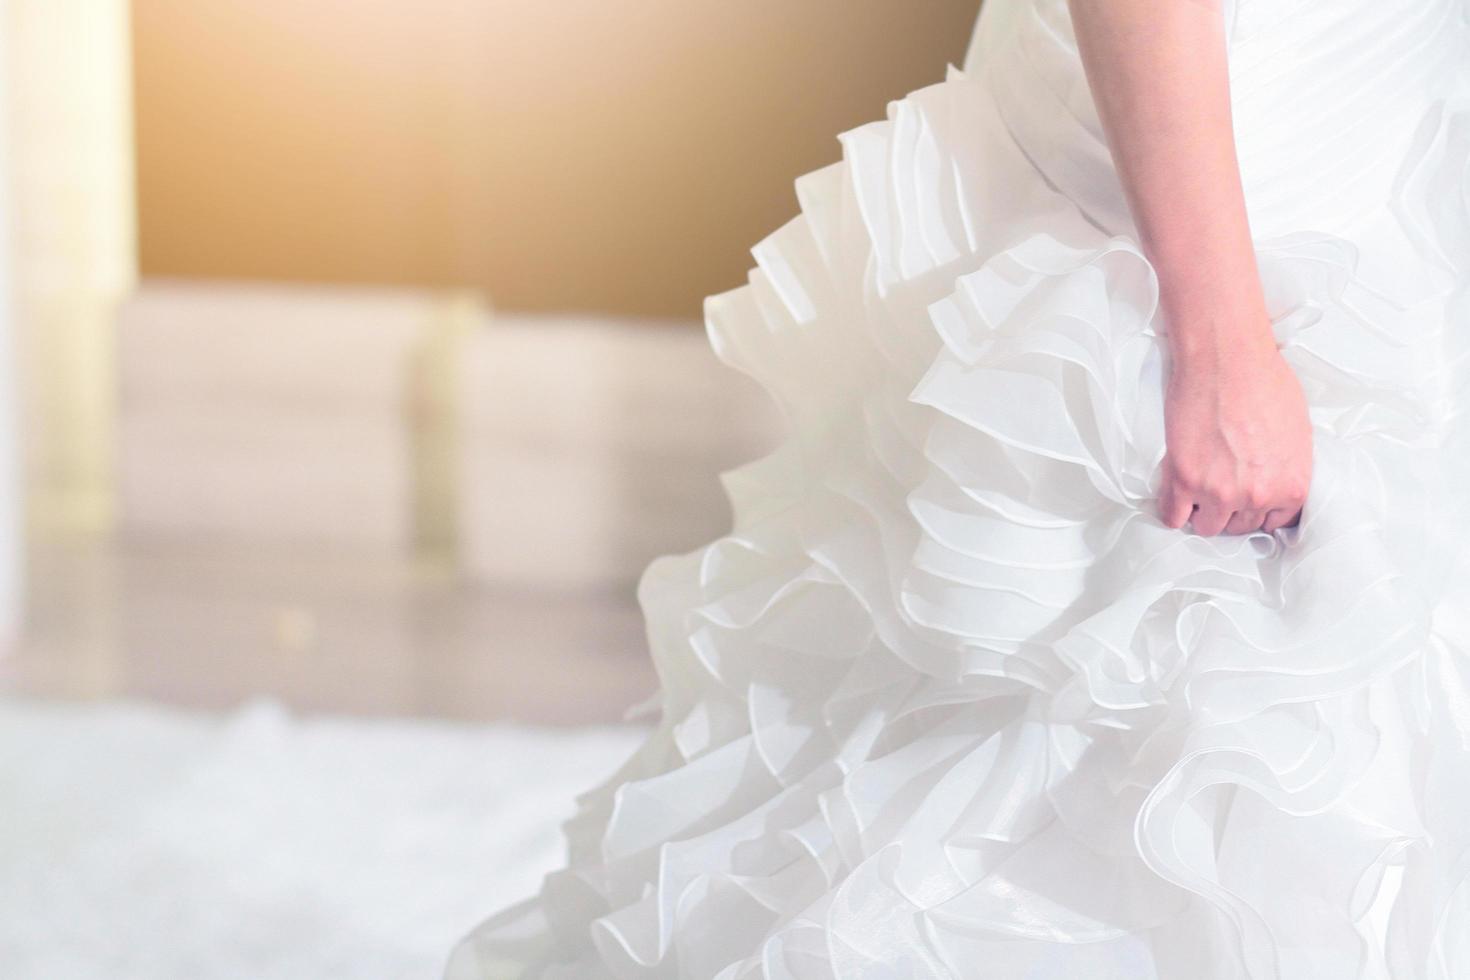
[588, 154]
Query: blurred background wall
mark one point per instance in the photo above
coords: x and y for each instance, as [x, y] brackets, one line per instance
[359, 340]
[576, 155]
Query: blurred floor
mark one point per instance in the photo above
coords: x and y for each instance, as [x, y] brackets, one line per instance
[356, 632]
[146, 844]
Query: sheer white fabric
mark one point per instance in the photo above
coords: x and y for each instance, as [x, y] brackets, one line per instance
[949, 701]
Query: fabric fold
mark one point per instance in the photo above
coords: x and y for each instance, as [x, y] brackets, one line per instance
[949, 700]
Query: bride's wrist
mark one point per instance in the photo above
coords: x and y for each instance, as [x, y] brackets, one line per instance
[1211, 343]
[1208, 332]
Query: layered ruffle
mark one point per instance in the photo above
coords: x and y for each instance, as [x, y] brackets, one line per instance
[949, 701]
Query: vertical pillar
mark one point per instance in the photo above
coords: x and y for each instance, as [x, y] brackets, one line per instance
[12, 544]
[69, 144]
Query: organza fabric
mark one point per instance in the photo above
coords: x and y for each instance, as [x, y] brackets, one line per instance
[949, 701]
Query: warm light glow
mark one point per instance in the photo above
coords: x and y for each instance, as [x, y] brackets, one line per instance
[583, 155]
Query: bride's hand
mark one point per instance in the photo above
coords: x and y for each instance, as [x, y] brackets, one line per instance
[1238, 438]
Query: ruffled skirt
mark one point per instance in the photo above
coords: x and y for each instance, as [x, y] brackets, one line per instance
[949, 701]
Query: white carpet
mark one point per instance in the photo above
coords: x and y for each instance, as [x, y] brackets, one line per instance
[140, 844]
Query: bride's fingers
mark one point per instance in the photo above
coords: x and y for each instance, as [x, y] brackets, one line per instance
[1210, 519]
[1175, 505]
[1278, 518]
[1244, 522]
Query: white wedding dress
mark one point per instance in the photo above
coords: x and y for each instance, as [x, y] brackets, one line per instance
[949, 701]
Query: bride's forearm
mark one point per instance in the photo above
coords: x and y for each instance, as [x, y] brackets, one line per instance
[1159, 76]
